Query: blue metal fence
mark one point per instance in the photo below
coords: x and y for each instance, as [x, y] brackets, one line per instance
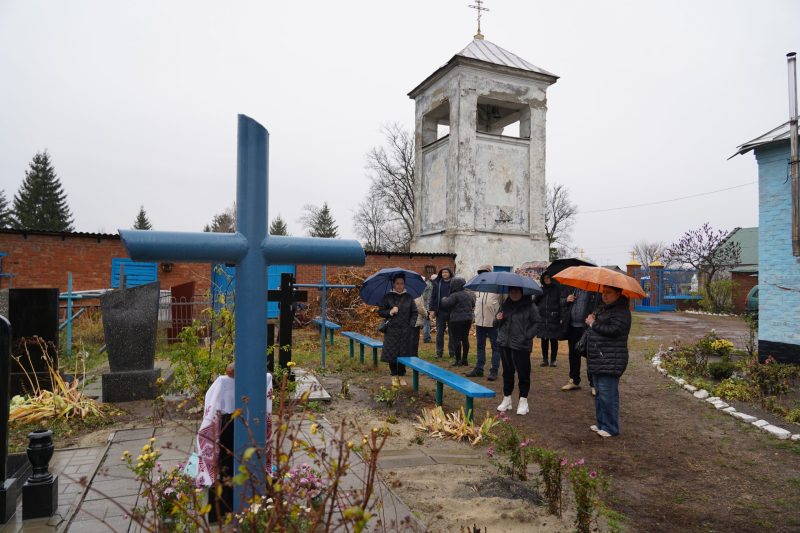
[664, 288]
[223, 283]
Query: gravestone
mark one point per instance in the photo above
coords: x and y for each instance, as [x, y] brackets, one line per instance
[130, 324]
[32, 313]
[8, 487]
[182, 309]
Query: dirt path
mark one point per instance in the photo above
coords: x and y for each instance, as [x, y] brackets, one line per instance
[678, 465]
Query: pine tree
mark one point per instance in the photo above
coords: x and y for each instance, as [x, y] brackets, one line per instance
[6, 216]
[142, 222]
[278, 227]
[40, 202]
[319, 221]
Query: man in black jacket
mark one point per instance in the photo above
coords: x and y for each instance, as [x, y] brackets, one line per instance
[441, 289]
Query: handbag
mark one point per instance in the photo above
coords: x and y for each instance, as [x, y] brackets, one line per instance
[582, 343]
[383, 325]
[192, 467]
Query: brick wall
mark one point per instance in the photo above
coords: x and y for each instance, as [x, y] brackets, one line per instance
[778, 269]
[43, 260]
[742, 283]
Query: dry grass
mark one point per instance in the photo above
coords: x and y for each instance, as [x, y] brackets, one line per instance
[454, 425]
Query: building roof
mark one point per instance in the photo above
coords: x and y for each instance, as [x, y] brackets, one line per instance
[487, 52]
[781, 133]
[748, 242]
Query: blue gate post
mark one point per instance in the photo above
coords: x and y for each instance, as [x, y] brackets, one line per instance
[251, 249]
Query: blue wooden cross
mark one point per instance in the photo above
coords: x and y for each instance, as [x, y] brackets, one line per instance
[251, 249]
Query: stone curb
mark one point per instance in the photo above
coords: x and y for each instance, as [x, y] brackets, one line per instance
[702, 394]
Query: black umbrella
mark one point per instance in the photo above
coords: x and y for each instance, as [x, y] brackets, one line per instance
[560, 264]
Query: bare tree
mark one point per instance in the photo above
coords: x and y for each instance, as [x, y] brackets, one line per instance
[224, 222]
[392, 174]
[369, 221]
[706, 250]
[559, 216]
[648, 252]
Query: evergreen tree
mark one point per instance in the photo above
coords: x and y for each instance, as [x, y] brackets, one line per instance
[224, 222]
[40, 202]
[319, 221]
[6, 216]
[278, 227]
[142, 222]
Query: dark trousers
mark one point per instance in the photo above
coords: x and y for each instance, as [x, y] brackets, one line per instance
[482, 333]
[222, 505]
[573, 336]
[519, 362]
[459, 334]
[415, 341]
[553, 349]
[441, 326]
[396, 369]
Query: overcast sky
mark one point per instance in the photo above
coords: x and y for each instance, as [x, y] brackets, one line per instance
[137, 101]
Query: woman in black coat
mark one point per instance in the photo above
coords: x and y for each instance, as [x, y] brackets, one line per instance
[399, 308]
[607, 356]
[517, 324]
[460, 307]
[554, 312]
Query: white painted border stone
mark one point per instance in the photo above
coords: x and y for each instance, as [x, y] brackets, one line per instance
[717, 402]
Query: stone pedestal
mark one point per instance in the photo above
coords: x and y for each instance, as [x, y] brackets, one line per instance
[39, 500]
[130, 324]
[8, 499]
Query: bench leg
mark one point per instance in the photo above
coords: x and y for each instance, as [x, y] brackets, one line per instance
[375, 357]
[331, 336]
[352, 349]
[361, 353]
[439, 393]
[469, 407]
[415, 380]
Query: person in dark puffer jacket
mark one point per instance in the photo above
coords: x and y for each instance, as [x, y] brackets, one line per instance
[607, 356]
[517, 324]
[460, 306]
[555, 314]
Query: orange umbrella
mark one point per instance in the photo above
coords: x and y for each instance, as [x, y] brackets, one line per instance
[594, 278]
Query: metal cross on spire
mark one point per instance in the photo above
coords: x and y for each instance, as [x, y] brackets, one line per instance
[479, 8]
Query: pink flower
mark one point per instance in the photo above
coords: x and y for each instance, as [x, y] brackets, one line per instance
[564, 461]
[524, 443]
[490, 452]
[593, 474]
[580, 462]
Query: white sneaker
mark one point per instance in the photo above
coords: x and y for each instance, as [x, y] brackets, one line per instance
[604, 433]
[570, 386]
[522, 407]
[505, 405]
[594, 428]
[594, 391]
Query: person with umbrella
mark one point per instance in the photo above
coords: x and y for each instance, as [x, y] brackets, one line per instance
[441, 289]
[553, 310]
[400, 311]
[487, 304]
[605, 342]
[517, 324]
[460, 306]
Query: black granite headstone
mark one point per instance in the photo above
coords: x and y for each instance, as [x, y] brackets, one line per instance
[8, 487]
[130, 324]
[32, 313]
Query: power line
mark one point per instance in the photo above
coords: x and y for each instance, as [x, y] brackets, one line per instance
[666, 201]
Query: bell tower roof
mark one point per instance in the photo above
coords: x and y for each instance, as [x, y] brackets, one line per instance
[481, 52]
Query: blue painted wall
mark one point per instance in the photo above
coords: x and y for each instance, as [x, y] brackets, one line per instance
[223, 282]
[779, 270]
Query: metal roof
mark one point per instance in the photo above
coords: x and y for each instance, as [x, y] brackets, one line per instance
[781, 133]
[747, 238]
[487, 51]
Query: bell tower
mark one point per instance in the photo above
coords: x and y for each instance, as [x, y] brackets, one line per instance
[480, 159]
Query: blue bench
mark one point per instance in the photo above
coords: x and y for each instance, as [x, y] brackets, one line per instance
[443, 377]
[325, 326]
[363, 340]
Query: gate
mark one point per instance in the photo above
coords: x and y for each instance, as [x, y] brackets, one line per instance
[664, 288]
[223, 283]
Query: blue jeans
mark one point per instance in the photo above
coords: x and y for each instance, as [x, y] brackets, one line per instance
[426, 329]
[483, 333]
[606, 403]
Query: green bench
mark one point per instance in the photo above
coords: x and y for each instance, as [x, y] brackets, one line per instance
[443, 377]
[325, 326]
[363, 341]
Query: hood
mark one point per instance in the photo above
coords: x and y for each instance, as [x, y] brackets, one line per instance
[457, 285]
[439, 276]
[484, 268]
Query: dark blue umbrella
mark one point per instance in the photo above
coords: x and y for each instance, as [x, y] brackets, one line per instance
[499, 282]
[378, 284]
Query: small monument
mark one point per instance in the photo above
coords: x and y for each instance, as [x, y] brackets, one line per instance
[130, 324]
[33, 314]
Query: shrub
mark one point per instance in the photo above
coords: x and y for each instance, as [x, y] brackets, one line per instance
[195, 367]
[735, 389]
[772, 378]
[721, 370]
[551, 469]
[509, 453]
[587, 484]
[718, 296]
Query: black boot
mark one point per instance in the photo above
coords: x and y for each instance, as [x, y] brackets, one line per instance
[492, 375]
[475, 373]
